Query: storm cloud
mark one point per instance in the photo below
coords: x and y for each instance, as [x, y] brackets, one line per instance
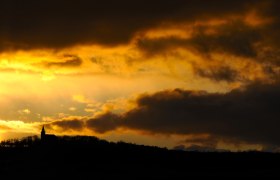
[250, 115]
[57, 24]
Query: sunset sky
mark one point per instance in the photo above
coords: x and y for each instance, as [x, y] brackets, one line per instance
[167, 73]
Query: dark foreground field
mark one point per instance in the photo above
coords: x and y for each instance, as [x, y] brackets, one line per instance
[91, 158]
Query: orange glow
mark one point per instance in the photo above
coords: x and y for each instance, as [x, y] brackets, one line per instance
[82, 81]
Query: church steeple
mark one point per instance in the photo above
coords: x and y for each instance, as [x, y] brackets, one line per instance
[47, 138]
[43, 133]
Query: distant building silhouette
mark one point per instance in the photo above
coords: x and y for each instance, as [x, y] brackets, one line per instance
[47, 137]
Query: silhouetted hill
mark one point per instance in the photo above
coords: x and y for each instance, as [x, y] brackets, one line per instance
[92, 158]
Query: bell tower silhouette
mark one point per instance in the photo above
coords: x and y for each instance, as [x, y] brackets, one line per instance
[43, 133]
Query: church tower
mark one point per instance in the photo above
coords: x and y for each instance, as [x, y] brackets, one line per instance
[43, 133]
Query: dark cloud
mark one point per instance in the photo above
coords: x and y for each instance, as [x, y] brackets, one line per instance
[68, 61]
[223, 73]
[250, 115]
[74, 124]
[58, 24]
[209, 141]
[104, 123]
[155, 46]
[234, 38]
[272, 11]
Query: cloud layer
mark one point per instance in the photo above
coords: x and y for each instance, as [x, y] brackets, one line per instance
[226, 37]
[53, 24]
[240, 116]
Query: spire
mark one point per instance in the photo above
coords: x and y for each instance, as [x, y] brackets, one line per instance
[43, 133]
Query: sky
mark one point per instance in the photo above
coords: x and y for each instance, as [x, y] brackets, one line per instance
[178, 73]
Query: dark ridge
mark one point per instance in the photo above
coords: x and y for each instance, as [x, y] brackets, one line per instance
[90, 157]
